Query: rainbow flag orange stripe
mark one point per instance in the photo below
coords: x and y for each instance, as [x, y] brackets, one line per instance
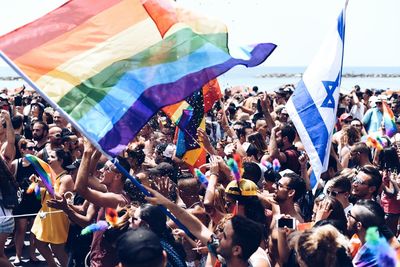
[111, 65]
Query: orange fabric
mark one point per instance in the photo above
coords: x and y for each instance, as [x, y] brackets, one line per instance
[163, 14]
[211, 94]
[111, 24]
[355, 245]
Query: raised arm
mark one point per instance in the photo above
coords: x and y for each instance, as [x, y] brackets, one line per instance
[102, 199]
[191, 222]
[8, 148]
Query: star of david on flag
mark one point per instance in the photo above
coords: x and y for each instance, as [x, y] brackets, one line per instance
[313, 105]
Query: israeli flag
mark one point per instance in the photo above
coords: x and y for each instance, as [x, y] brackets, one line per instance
[313, 105]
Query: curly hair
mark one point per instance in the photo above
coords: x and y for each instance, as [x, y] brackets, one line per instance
[351, 135]
[323, 246]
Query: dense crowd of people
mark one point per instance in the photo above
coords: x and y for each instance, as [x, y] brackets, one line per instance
[265, 214]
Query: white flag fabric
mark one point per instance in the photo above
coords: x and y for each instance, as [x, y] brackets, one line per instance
[313, 105]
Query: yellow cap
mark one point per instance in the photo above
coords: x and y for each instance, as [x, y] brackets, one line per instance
[246, 188]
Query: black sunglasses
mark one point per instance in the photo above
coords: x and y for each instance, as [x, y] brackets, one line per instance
[334, 193]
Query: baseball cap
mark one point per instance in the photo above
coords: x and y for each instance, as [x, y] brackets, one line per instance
[36, 103]
[139, 246]
[345, 116]
[246, 188]
[74, 165]
[162, 169]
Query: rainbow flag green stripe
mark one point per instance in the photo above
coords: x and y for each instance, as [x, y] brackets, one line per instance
[45, 172]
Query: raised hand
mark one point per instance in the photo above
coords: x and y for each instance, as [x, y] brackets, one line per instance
[164, 185]
[156, 198]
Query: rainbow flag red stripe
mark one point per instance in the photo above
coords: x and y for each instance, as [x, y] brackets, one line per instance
[45, 172]
[111, 65]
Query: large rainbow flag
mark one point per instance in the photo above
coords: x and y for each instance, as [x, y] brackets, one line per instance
[110, 65]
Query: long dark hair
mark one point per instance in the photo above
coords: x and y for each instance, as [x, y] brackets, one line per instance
[157, 222]
[388, 159]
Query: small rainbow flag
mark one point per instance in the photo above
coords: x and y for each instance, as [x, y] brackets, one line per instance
[389, 120]
[45, 172]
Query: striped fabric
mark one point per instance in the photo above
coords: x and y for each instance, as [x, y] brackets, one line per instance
[45, 172]
[111, 64]
[389, 120]
[197, 105]
[188, 115]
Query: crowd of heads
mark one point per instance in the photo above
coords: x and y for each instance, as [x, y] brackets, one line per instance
[273, 214]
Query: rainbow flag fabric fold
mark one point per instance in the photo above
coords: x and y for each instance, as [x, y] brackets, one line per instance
[111, 65]
[45, 172]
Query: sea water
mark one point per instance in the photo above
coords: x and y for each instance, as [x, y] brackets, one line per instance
[271, 78]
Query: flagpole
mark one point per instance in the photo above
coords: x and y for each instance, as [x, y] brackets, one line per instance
[114, 160]
[51, 102]
[144, 191]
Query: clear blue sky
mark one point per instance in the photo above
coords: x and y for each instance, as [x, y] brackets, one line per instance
[297, 26]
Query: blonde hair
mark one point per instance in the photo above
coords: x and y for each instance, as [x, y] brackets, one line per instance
[319, 246]
[219, 199]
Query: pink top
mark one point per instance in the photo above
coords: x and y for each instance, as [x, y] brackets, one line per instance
[390, 204]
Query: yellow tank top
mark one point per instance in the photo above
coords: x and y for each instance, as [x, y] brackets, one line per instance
[53, 228]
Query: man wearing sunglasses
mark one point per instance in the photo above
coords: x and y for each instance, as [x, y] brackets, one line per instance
[289, 189]
[340, 189]
[372, 119]
[101, 253]
[366, 214]
[366, 183]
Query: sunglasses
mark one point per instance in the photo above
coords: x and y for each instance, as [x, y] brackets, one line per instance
[57, 135]
[30, 147]
[346, 122]
[108, 169]
[334, 193]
